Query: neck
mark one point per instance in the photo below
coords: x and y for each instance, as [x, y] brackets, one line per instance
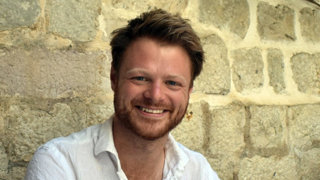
[140, 158]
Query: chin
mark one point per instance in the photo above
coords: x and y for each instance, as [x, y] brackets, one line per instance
[152, 131]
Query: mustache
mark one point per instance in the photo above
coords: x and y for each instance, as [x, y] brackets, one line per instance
[149, 103]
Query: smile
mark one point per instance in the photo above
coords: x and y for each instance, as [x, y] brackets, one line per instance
[153, 111]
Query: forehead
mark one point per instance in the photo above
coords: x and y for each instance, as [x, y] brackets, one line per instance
[147, 48]
[155, 55]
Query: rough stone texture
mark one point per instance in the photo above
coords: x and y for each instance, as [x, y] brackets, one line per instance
[17, 13]
[194, 127]
[113, 20]
[45, 73]
[3, 161]
[17, 172]
[20, 38]
[268, 129]
[309, 163]
[304, 126]
[168, 5]
[275, 22]
[2, 128]
[53, 82]
[230, 14]
[74, 19]
[3, 154]
[31, 122]
[276, 70]
[268, 168]
[25, 123]
[215, 77]
[305, 138]
[226, 139]
[306, 72]
[30, 39]
[247, 69]
[309, 24]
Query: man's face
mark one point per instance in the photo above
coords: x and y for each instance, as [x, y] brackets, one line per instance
[152, 88]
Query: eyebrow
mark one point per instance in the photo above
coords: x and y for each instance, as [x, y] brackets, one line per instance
[137, 70]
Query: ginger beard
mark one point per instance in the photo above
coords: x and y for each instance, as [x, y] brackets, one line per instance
[126, 115]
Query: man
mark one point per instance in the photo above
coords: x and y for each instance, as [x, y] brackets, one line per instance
[156, 58]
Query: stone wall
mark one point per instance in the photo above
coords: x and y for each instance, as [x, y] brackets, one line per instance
[254, 112]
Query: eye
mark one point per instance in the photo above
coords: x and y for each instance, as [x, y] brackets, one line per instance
[172, 83]
[139, 78]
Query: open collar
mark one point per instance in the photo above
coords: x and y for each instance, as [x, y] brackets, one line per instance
[175, 160]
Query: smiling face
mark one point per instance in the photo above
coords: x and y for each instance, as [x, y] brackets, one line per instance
[152, 88]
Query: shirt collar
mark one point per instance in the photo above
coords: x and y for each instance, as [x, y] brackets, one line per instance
[105, 139]
[105, 143]
[175, 160]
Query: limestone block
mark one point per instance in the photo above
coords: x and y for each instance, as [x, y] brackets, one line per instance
[131, 4]
[74, 19]
[2, 113]
[194, 127]
[126, 10]
[3, 161]
[276, 70]
[52, 74]
[30, 125]
[309, 163]
[304, 126]
[309, 24]
[275, 22]
[268, 129]
[247, 69]
[29, 38]
[306, 72]
[17, 173]
[215, 77]
[230, 14]
[97, 110]
[113, 20]
[34, 121]
[144, 5]
[268, 168]
[1, 123]
[16, 13]
[226, 139]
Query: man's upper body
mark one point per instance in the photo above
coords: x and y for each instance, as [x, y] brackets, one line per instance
[91, 154]
[155, 60]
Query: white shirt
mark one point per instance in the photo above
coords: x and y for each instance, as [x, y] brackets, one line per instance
[91, 154]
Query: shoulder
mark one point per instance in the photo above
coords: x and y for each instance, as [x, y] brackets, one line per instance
[63, 146]
[198, 165]
[53, 160]
[195, 158]
[87, 135]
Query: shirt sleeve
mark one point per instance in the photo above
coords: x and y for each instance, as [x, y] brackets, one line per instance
[48, 163]
[208, 172]
[199, 168]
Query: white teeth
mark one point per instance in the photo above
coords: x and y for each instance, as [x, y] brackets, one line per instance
[154, 111]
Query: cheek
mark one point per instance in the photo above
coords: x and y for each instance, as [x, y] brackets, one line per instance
[180, 99]
[129, 91]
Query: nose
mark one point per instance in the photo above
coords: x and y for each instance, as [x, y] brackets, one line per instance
[154, 92]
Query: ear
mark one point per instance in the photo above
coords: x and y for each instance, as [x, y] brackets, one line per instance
[113, 78]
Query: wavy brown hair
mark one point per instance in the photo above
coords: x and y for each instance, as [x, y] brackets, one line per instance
[163, 26]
